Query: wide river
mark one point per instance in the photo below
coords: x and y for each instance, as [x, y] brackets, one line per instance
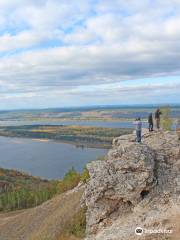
[45, 159]
[49, 159]
[106, 124]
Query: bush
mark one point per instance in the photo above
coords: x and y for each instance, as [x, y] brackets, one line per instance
[166, 118]
[71, 180]
[102, 158]
[85, 175]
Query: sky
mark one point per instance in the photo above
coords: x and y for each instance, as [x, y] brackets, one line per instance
[58, 53]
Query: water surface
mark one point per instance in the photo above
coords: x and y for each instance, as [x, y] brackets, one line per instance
[106, 124]
[45, 159]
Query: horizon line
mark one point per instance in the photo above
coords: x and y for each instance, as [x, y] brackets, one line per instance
[95, 106]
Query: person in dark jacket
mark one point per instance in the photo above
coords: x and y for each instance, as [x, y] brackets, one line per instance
[150, 121]
[157, 117]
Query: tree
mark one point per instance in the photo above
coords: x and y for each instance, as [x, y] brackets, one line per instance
[166, 118]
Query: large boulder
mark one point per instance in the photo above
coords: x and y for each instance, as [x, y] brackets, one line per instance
[133, 176]
[119, 183]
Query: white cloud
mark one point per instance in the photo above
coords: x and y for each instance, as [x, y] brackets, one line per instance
[58, 44]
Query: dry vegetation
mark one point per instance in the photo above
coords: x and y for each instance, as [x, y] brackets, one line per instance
[60, 218]
[19, 190]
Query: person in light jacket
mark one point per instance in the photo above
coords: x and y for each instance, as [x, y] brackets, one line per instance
[138, 127]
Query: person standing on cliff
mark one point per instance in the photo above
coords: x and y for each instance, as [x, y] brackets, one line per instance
[150, 121]
[157, 118]
[138, 126]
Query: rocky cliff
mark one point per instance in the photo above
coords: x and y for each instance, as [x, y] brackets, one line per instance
[138, 185]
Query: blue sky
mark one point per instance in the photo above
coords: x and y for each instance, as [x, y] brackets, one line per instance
[56, 53]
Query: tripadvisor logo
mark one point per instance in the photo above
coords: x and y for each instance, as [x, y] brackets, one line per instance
[138, 231]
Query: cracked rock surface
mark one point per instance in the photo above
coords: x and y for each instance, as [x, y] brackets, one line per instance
[137, 185]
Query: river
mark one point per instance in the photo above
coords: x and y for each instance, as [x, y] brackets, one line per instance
[107, 124]
[49, 159]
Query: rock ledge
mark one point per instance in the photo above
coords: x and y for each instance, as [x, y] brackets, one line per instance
[137, 185]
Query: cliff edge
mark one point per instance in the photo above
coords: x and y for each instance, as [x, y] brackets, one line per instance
[137, 186]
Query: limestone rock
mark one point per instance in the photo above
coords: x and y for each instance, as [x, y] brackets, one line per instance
[134, 181]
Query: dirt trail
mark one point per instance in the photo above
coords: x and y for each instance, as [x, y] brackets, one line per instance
[43, 222]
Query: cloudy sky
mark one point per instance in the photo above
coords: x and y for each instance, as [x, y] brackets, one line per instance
[56, 53]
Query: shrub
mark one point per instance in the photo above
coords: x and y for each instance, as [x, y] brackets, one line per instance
[166, 118]
[85, 175]
[70, 180]
[102, 158]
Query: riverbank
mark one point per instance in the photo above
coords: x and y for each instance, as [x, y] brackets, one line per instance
[80, 136]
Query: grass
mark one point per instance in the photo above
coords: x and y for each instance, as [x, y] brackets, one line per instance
[60, 215]
[59, 211]
[76, 227]
[59, 218]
